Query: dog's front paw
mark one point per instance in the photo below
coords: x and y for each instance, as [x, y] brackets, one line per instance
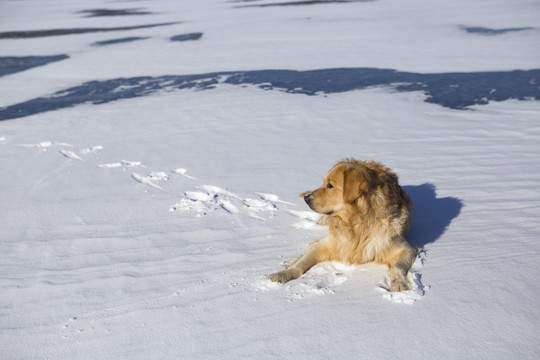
[285, 276]
[398, 285]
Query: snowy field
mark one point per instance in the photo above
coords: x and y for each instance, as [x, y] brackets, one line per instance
[152, 154]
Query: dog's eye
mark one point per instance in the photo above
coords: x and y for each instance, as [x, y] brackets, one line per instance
[329, 186]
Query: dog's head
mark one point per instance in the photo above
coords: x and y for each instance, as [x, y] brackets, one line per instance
[344, 184]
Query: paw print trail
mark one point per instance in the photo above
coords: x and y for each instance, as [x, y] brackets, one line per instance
[214, 198]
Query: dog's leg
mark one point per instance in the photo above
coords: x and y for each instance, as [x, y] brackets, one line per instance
[299, 267]
[399, 267]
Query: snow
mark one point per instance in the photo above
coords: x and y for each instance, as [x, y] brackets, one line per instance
[145, 227]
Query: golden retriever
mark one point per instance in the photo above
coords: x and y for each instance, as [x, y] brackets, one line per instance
[367, 214]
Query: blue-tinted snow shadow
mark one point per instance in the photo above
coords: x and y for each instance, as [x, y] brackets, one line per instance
[300, 3]
[28, 34]
[187, 37]
[487, 31]
[431, 216]
[119, 41]
[13, 64]
[113, 12]
[451, 90]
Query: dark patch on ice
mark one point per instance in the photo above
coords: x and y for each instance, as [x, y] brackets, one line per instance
[488, 31]
[431, 216]
[13, 64]
[187, 37]
[119, 41]
[113, 12]
[302, 2]
[451, 90]
[58, 32]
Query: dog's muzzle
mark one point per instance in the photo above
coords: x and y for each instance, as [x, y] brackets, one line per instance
[308, 198]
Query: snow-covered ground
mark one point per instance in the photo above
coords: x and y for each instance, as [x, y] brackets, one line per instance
[150, 176]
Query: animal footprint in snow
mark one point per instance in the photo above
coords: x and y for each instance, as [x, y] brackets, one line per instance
[123, 163]
[91, 150]
[259, 205]
[212, 198]
[151, 178]
[254, 206]
[272, 198]
[71, 155]
[181, 171]
[216, 190]
[44, 145]
[158, 175]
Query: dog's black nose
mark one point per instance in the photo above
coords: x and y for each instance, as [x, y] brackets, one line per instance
[308, 198]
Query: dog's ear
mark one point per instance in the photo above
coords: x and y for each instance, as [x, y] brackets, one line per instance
[357, 181]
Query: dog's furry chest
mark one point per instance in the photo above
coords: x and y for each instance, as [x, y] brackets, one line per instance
[353, 244]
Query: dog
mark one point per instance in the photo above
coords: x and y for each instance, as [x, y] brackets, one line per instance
[367, 214]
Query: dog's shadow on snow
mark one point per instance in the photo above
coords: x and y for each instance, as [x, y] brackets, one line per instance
[431, 216]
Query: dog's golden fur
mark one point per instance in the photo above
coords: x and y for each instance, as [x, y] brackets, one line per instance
[367, 214]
